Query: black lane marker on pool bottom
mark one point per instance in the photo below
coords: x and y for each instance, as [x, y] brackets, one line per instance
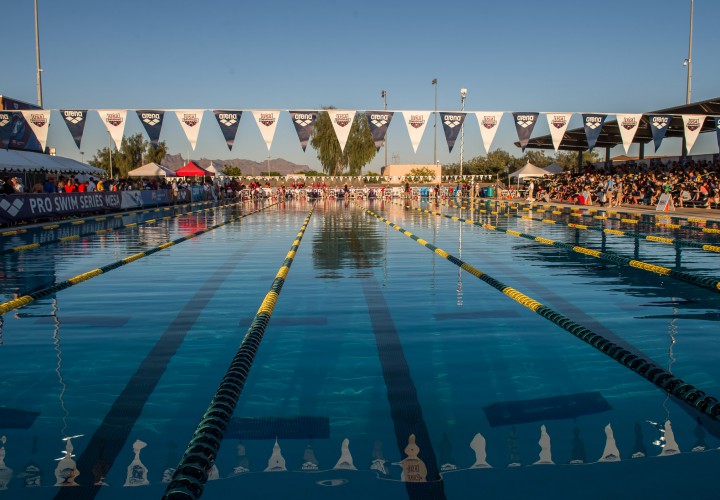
[110, 437]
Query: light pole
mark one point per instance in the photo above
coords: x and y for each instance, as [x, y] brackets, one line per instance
[37, 56]
[383, 94]
[434, 82]
[688, 61]
[463, 94]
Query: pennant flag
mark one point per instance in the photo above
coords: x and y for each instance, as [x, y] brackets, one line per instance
[452, 124]
[717, 130]
[342, 122]
[558, 123]
[524, 124]
[152, 121]
[16, 133]
[267, 121]
[628, 125]
[75, 121]
[379, 122]
[190, 120]
[693, 126]
[593, 125]
[304, 122]
[6, 126]
[416, 122]
[489, 122]
[114, 120]
[229, 120]
[39, 121]
[659, 125]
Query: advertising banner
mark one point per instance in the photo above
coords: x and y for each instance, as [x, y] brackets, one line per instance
[229, 120]
[452, 124]
[341, 120]
[190, 120]
[593, 125]
[152, 120]
[24, 207]
[39, 122]
[659, 125]
[416, 122]
[379, 122]
[267, 123]
[114, 120]
[524, 124]
[489, 122]
[75, 120]
[558, 123]
[628, 125]
[304, 122]
[693, 125]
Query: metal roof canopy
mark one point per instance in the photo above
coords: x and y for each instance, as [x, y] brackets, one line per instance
[575, 139]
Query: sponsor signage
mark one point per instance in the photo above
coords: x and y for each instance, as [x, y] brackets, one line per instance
[593, 123]
[341, 120]
[152, 120]
[628, 125]
[558, 123]
[304, 122]
[658, 126]
[379, 122]
[524, 124]
[229, 121]
[489, 122]
[452, 125]
[36, 206]
[416, 121]
[75, 120]
[267, 123]
[190, 120]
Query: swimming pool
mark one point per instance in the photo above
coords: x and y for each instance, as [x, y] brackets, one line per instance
[373, 338]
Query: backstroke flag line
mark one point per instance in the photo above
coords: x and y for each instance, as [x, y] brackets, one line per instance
[693, 125]
[114, 120]
[39, 121]
[628, 125]
[228, 120]
[342, 123]
[558, 123]
[416, 122]
[190, 120]
[75, 120]
[379, 122]
[524, 124]
[593, 123]
[304, 122]
[452, 124]
[489, 122]
[267, 123]
[659, 125]
[152, 120]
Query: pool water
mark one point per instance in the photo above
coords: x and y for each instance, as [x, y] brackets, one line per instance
[383, 362]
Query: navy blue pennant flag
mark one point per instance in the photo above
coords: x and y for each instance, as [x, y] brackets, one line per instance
[524, 124]
[593, 126]
[6, 125]
[15, 133]
[379, 122]
[659, 125]
[304, 122]
[75, 121]
[452, 124]
[229, 121]
[152, 120]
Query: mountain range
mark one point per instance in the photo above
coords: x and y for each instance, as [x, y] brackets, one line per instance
[248, 167]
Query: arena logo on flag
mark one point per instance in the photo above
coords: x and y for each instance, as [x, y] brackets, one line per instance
[593, 122]
[525, 120]
[73, 116]
[228, 119]
[4, 119]
[342, 119]
[416, 121]
[379, 120]
[660, 122]
[558, 121]
[629, 123]
[302, 119]
[151, 119]
[489, 122]
[190, 119]
[114, 119]
[267, 119]
[693, 124]
[453, 121]
[38, 120]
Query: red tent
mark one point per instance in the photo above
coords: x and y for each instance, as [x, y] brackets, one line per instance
[192, 169]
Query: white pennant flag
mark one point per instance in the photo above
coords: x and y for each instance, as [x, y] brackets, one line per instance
[489, 122]
[693, 126]
[190, 120]
[342, 123]
[267, 122]
[39, 121]
[114, 120]
[628, 125]
[416, 122]
[558, 123]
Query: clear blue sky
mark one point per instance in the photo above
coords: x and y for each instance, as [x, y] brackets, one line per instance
[556, 55]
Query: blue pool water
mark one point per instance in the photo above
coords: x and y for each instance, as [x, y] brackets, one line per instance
[373, 338]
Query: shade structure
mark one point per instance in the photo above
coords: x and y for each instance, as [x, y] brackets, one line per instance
[192, 169]
[554, 168]
[25, 161]
[152, 170]
[529, 170]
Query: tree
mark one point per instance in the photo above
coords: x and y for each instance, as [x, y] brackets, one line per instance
[134, 150]
[155, 154]
[359, 149]
[538, 158]
[422, 172]
[568, 159]
[232, 171]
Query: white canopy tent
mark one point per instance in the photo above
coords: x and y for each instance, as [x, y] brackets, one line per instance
[152, 170]
[529, 170]
[212, 168]
[13, 161]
